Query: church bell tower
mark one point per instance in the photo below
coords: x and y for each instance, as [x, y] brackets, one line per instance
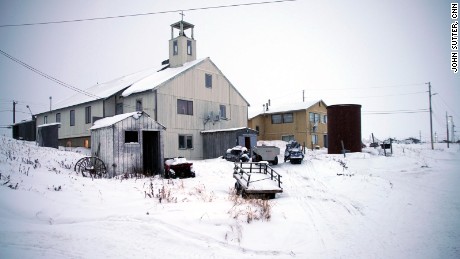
[182, 48]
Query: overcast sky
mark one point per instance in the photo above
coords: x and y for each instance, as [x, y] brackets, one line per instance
[379, 54]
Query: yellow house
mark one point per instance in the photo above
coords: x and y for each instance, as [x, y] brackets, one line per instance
[305, 122]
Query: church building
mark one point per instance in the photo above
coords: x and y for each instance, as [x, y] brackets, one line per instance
[186, 95]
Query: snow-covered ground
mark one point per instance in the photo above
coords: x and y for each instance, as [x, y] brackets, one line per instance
[362, 206]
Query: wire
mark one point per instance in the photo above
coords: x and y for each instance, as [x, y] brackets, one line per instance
[388, 95]
[144, 14]
[48, 76]
[16, 111]
[451, 110]
[372, 87]
[394, 112]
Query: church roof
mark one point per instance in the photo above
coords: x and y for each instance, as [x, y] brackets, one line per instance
[134, 83]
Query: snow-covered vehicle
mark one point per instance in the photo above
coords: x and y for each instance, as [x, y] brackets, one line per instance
[293, 152]
[256, 180]
[265, 153]
[237, 154]
[178, 167]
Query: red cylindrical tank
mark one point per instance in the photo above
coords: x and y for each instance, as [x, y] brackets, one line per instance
[344, 124]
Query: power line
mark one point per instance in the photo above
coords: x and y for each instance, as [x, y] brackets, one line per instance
[388, 95]
[370, 87]
[394, 112]
[48, 76]
[144, 14]
[16, 111]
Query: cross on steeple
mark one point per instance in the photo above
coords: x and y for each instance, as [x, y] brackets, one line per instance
[182, 14]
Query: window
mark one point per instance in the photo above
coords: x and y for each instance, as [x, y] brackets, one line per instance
[175, 50]
[208, 80]
[223, 112]
[139, 105]
[185, 141]
[287, 138]
[314, 139]
[184, 107]
[276, 119]
[257, 129]
[316, 117]
[324, 119]
[282, 118]
[131, 136]
[88, 114]
[119, 108]
[58, 119]
[189, 47]
[72, 117]
[288, 118]
[45, 119]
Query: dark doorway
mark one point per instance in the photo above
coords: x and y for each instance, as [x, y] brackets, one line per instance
[247, 142]
[151, 152]
[325, 141]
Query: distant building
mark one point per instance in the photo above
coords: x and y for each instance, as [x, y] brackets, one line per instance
[25, 130]
[305, 122]
[186, 95]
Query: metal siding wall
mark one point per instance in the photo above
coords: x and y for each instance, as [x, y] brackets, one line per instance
[191, 86]
[81, 129]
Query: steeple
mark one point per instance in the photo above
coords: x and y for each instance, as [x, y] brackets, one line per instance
[182, 48]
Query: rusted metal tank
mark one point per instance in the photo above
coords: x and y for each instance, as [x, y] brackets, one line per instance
[344, 124]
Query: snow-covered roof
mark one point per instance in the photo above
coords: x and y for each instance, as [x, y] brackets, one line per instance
[222, 130]
[109, 121]
[283, 108]
[48, 124]
[156, 79]
[134, 83]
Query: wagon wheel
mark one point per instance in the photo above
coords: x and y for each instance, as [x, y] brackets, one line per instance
[93, 165]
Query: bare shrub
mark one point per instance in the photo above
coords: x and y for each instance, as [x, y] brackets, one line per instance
[200, 191]
[249, 209]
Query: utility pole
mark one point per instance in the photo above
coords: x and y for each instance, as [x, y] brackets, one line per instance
[452, 132]
[14, 111]
[51, 98]
[420, 136]
[303, 96]
[431, 114]
[447, 127]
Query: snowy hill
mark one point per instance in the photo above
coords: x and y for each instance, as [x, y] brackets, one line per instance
[363, 206]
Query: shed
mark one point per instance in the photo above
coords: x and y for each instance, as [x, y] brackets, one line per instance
[128, 143]
[216, 142]
[25, 130]
[47, 135]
